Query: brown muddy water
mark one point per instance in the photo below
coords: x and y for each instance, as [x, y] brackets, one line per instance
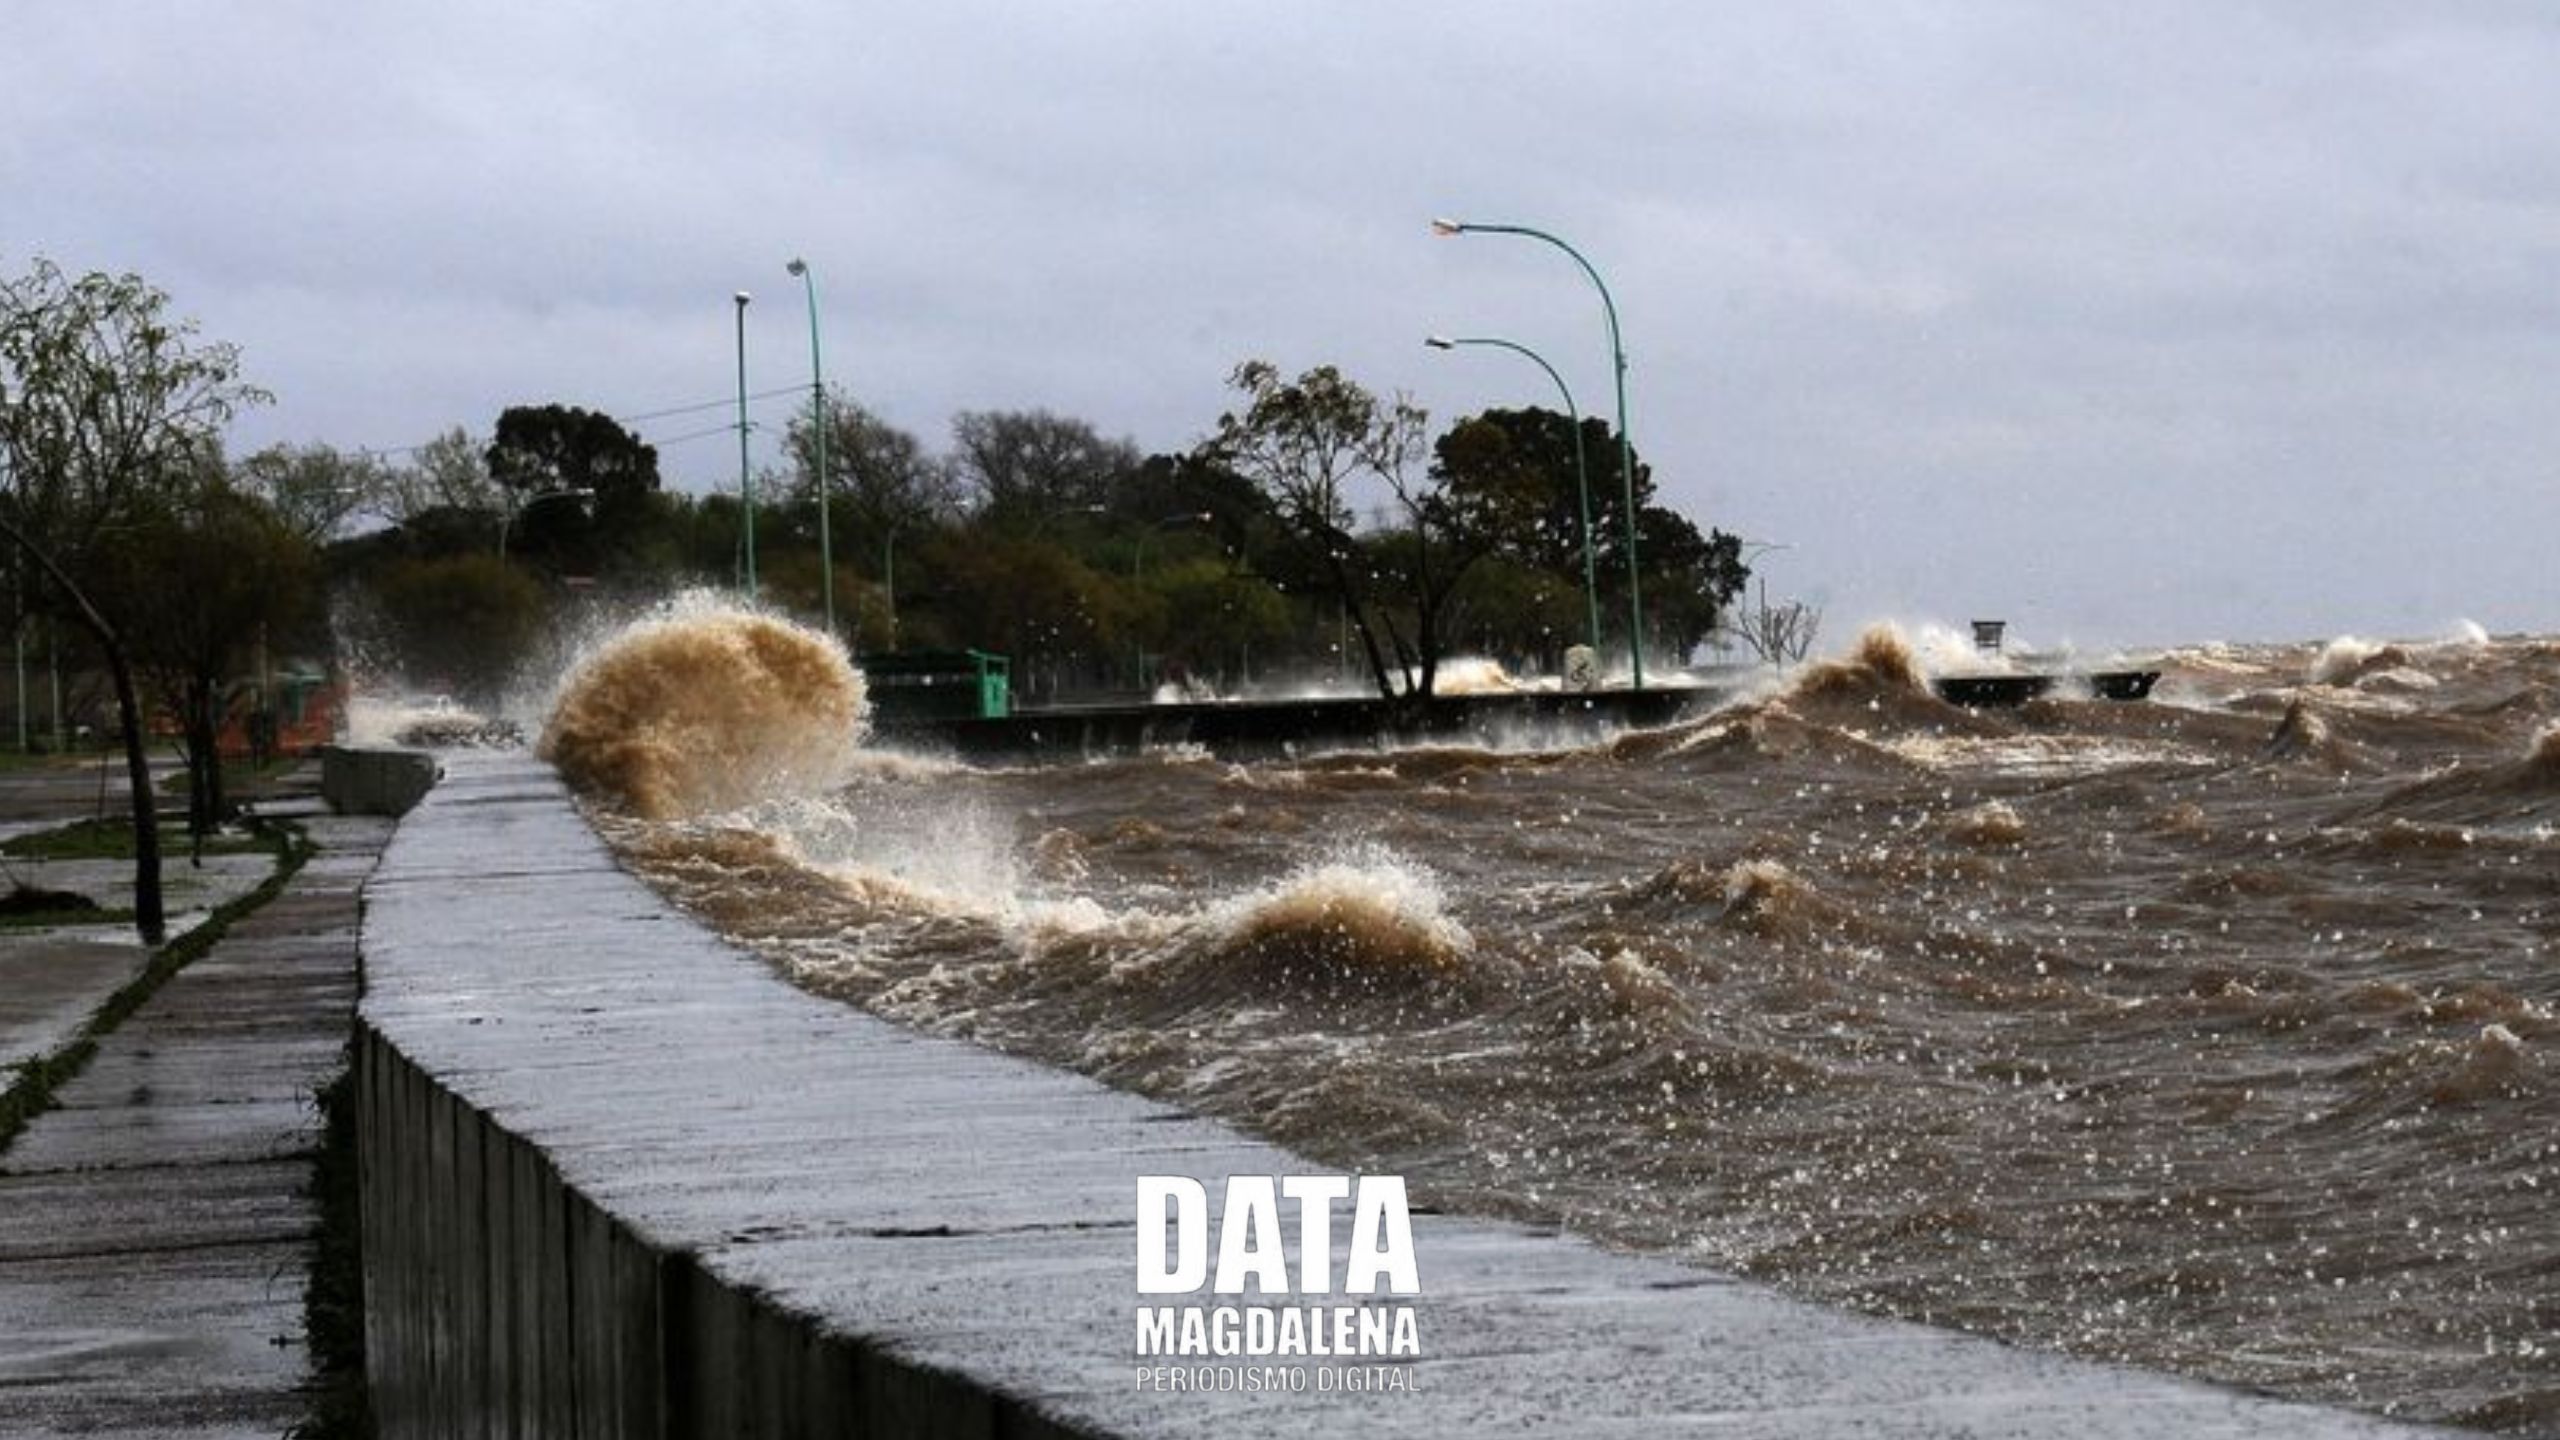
[2212, 1034]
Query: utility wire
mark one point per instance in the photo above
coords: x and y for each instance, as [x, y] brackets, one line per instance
[386, 452]
[730, 429]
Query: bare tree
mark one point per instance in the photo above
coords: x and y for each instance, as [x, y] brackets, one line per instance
[314, 489]
[1025, 465]
[1781, 634]
[450, 472]
[879, 477]
[106, 401]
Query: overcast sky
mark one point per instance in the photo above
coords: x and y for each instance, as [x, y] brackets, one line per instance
[2130, 323]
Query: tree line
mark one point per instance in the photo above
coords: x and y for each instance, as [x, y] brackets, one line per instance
[1315, 532]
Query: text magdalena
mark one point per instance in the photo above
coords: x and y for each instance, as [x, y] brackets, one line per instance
[1253, 1260]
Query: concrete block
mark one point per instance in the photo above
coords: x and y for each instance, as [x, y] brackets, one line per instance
[375, 782]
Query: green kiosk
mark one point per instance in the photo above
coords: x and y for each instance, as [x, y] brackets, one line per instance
[911, 685]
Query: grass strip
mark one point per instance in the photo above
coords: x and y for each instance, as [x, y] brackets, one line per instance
[65, 917]
[33, 1087]
[112, 839]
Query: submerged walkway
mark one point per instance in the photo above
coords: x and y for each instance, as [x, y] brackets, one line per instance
[154, 1232]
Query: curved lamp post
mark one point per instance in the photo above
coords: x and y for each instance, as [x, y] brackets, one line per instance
[1751, 548]
[818, 423]
[746, 481]
[1626, 449]
[1581, 471]
[1138, 565]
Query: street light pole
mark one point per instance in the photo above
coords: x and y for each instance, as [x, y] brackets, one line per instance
[889, 580]
[1581, 471]
[1626, 448]
[746, 482]
[818, 422]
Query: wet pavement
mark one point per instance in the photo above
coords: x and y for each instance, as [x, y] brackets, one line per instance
[153, 1229]
[43, 794]
[51, 979]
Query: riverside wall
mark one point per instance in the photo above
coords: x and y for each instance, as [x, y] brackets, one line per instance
[621, 1180]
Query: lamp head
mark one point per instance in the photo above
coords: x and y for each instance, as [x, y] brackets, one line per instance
[1448, 227]
[1440, 342]
[797, 266]
[742, 298]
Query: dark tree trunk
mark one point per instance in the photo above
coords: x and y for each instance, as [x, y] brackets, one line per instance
[1347, 593]
[149, 919]
[204, 763]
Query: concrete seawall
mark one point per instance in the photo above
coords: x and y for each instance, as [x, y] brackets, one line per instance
[619, 1179]
[1262, 729]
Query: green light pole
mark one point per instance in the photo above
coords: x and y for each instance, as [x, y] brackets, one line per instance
[746, 481]
[889, 580]
[818, 422]
[1581, 471]
[1626, 448]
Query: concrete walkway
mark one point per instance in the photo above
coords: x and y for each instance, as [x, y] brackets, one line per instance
[153, 1229]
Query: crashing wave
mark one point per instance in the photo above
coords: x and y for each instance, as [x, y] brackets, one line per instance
[1369, 914]
[706, 708]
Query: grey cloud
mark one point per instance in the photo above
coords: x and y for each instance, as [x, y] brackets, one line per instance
[2132, 322]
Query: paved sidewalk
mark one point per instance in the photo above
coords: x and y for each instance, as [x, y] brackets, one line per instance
[154, 1234]
[52, 979]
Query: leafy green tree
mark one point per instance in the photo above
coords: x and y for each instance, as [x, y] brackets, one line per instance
[562, 447]
[1520, 465]
[1241, 519]
[553, 453]
[1303, 444]
[463, 624]
[1518, 468]
[207, 582]
[1210, 617]
[1032, 600]
[105, 402]
[1690, 577]
[1522, 615]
